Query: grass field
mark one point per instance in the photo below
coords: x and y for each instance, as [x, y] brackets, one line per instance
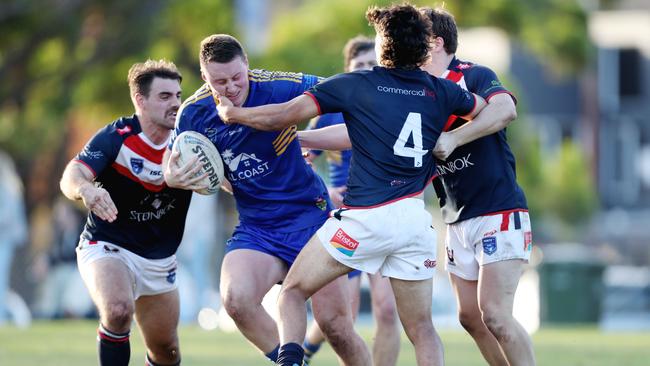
[72, 343]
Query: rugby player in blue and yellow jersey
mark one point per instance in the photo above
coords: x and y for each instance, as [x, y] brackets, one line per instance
[126, 255]
[280, 199]
[489, 232]
[394, 115]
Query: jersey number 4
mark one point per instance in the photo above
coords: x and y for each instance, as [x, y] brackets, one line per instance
[412, 126]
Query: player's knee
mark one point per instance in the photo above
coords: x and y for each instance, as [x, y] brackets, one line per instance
[118, 316]
[497, 323]
[386, 313]
[238, 305]
[471, 321]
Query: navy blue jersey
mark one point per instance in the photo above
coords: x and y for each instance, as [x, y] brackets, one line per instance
[151, 216]
[338, 161]
[477, 178]
[394, 118]
[273, 186]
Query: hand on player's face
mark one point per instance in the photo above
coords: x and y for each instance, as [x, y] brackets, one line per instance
[223, 109]
[188, 176]
[445, 145]
[99, 201]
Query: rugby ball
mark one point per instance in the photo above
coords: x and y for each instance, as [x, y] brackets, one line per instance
[190, 144]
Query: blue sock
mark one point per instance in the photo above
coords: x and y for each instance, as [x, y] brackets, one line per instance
[273, 355]
[310, 349]
[291, 354]
[114, 348]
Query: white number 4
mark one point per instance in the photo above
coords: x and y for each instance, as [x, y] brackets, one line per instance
[412, 125]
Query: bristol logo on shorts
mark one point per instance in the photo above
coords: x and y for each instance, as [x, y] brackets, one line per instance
[489, 245]
[528, 241]
[136, 165]
[450, 257]
[344, 243]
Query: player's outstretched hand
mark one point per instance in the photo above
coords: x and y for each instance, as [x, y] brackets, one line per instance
[99, 201]
[445, 145]
[188, 176]
[223, 109]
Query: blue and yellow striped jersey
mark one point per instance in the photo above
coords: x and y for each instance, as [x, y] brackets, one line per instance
[273, 186]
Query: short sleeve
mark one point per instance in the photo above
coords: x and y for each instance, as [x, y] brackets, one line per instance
[101, 150]
[485, 83]
[333, 94]
[459, 101]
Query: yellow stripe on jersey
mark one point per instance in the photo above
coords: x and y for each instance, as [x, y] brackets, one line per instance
[283, 134]
[265, 76]
[283, 140]
[201, 93]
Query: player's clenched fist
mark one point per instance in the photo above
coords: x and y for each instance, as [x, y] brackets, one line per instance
[445, 145]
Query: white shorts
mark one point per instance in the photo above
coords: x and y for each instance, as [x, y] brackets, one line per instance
[148, 276]
[487, 239]
[395, 239]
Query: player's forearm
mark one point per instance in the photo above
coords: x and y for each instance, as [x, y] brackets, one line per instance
[265, 118]
[493, 118]
[74, 180]
[326, 138]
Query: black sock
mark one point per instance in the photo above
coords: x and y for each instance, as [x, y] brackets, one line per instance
[291, 354]
[114, 348]
[150, 362]
[273, 355]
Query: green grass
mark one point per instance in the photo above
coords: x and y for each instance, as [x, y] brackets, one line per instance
[72, 343]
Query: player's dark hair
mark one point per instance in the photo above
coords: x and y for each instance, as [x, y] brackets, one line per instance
[141, 75]
[221, 48]
[354, 48]
[443, 25]
[406, 35]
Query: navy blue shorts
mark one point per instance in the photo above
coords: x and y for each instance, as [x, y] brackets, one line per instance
[285, 246]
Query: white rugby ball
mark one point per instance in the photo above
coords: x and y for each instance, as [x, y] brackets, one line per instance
[190, 144]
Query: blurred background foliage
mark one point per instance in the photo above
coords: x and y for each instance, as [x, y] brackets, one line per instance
[63, 66]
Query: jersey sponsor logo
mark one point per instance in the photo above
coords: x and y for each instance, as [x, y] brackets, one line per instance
[137, 165]
[321, 203]
[414, 92]
[244, 166]
[490, 233]
[464, 66]
[454, 165]
[156, 173]
[489, 245]
[428, 263]
[153, 209]
[344, 243]
[528, 241]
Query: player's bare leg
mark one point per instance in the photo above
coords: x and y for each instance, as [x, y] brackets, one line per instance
[413, 300]
[386, 344]
[497, 285]
[157, 317]
[109, 282]
[470, 318]
[315, 336]
[314, 269]
[246, 276]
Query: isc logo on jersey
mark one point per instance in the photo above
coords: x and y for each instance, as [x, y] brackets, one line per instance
[244, 166]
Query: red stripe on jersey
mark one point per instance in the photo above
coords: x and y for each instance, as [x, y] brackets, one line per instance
[450, 122]
[135, 143]
[454, 76]
[315, 101]
[505, 221]
[127, 173]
